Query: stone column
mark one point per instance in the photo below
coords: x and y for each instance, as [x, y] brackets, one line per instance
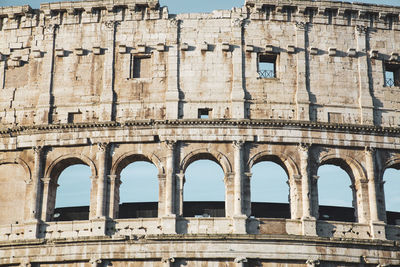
[181, 179]
[302, 96]
[45, 203]
[241, 261]
[115, 183]
[34, 207]
[309, 222]
[377, 226]
[366, 102]
[31, 226]
[99, 222]
[2, 71]
[101, 181]
[169, 219]
[239, 219]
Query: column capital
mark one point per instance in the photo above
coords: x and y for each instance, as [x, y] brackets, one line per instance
[304, 147]
[301, 25]
[240, 259]
[46, 180]
[37, 149]
[170, 144]
[168, 260]
[369, 150]
[102, 146]
[238, 144]
[361, 29]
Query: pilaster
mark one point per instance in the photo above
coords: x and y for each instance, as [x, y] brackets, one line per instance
[107, 98]
[172, 95]
[238, 57]
[366, 102]
[45, 203]
[101, 193]
[302, 94]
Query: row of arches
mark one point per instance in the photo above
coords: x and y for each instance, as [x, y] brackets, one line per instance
[204, 189]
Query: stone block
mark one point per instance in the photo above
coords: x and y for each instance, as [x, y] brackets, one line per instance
[204, 47]
[122, 49]
[79, 51]
[291, 49]
[313, 51]
[374, 54]
[60, 52]
[332, 51]
[394, 56]
[250, 48]
[184, 47]
[226, 47]
[160, 47]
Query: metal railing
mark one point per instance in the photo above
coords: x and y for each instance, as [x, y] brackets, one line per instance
[266, 74]
[389, 82]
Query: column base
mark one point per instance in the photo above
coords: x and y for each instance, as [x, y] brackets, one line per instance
[98, 226]
[239, 224]
[168, 223]
[31, 229]
[309, 226]
[378, 230]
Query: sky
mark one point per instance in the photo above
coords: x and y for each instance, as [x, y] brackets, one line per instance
[185, 6]
[268, 181]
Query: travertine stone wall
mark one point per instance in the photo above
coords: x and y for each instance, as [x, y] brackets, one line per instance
[109, 82]
[75, 58]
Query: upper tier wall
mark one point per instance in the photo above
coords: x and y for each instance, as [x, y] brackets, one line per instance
[91, 61]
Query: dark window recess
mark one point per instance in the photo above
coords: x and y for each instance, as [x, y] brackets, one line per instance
[1, 23]
[331, 213]
[74, 117]
[392, 75]
[71, 213]
[138, 210]
[270, 210]
[139, 67]
[204, 209]
[204, 113]
[267, 66]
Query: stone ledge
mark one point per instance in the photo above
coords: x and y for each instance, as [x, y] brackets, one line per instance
[353, 128]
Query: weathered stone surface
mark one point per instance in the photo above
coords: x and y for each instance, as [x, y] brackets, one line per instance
[106, 83]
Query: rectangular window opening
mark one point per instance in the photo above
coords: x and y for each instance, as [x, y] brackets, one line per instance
[139, 67]
[204, 113]
[1, 23]
[392, 75]
[267, 66]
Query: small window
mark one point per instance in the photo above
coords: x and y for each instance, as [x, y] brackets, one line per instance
[140, 67]
[204, 113]
[74, 117]
[392, 75]
[267, 66]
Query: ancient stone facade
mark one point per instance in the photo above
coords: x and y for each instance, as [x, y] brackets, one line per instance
[106, 83]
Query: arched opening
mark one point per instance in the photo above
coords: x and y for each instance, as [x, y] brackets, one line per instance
[336, 194]
[269, 191]
[204, 189]
[72, 196]
[138, 193]
[391, 178]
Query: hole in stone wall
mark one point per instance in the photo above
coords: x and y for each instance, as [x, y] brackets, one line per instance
[335, 194]
[139, 191]
[140, 67]
[269, 191]
[204, 190]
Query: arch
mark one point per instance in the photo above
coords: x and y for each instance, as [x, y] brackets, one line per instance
[350, 165]
[392, 162]
[209, 154]
[20, 162]
[357, 174]
[59, 164]
[127, 158]
[283, 160]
